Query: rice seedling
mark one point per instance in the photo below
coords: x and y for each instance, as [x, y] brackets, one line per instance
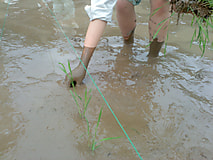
[92, 143]
[78, 99]
[87, 99]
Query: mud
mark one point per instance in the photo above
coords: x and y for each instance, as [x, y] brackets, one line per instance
[164, 103]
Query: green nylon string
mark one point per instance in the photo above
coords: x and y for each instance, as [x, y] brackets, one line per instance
[94, 82]
[2, 30]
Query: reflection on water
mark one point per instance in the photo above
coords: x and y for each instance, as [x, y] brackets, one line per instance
[65, 12]
[65, 9]
[164, 103]
[11, 121]
[11, 1]
[11, 128]
[173, 94]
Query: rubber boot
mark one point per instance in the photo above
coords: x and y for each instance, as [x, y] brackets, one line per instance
[155, 48]
[79, 72]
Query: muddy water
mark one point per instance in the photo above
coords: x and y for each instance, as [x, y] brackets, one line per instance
[165, 104]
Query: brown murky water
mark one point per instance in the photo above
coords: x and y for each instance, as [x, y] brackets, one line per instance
[165, 104]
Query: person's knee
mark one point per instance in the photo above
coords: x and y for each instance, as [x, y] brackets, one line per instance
[122, 5]
[162, 6]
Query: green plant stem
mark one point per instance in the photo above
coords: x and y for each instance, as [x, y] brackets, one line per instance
[78, 106]
[86, 100]
[74, 95]
[96, 128]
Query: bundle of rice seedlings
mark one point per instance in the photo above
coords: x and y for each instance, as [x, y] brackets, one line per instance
[200, 8]
[202, 16]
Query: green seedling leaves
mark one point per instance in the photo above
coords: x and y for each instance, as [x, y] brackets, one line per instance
[104, 139]
[78, 106]
[87, 100]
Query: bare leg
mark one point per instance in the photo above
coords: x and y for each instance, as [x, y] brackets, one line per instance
[162, 8]
[126, 18]
[94, 32]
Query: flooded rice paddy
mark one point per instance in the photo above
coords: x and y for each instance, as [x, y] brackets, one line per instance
[165, 104]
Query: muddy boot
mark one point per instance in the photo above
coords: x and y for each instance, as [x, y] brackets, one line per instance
[154, 48]
[79, 72]
[129, 39]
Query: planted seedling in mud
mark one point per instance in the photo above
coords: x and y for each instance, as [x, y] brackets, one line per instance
[87, 98]
[92, 143]
[78, 99]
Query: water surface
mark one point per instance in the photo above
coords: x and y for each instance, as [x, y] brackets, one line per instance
[165, 103]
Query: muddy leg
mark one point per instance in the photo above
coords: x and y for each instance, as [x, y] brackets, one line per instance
[162, 8]
[155, 48]
[126, 19]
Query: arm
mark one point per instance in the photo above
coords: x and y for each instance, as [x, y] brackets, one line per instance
[99, 12]
[94, 33]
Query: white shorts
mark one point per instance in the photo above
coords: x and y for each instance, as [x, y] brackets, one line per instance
[100, 9]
